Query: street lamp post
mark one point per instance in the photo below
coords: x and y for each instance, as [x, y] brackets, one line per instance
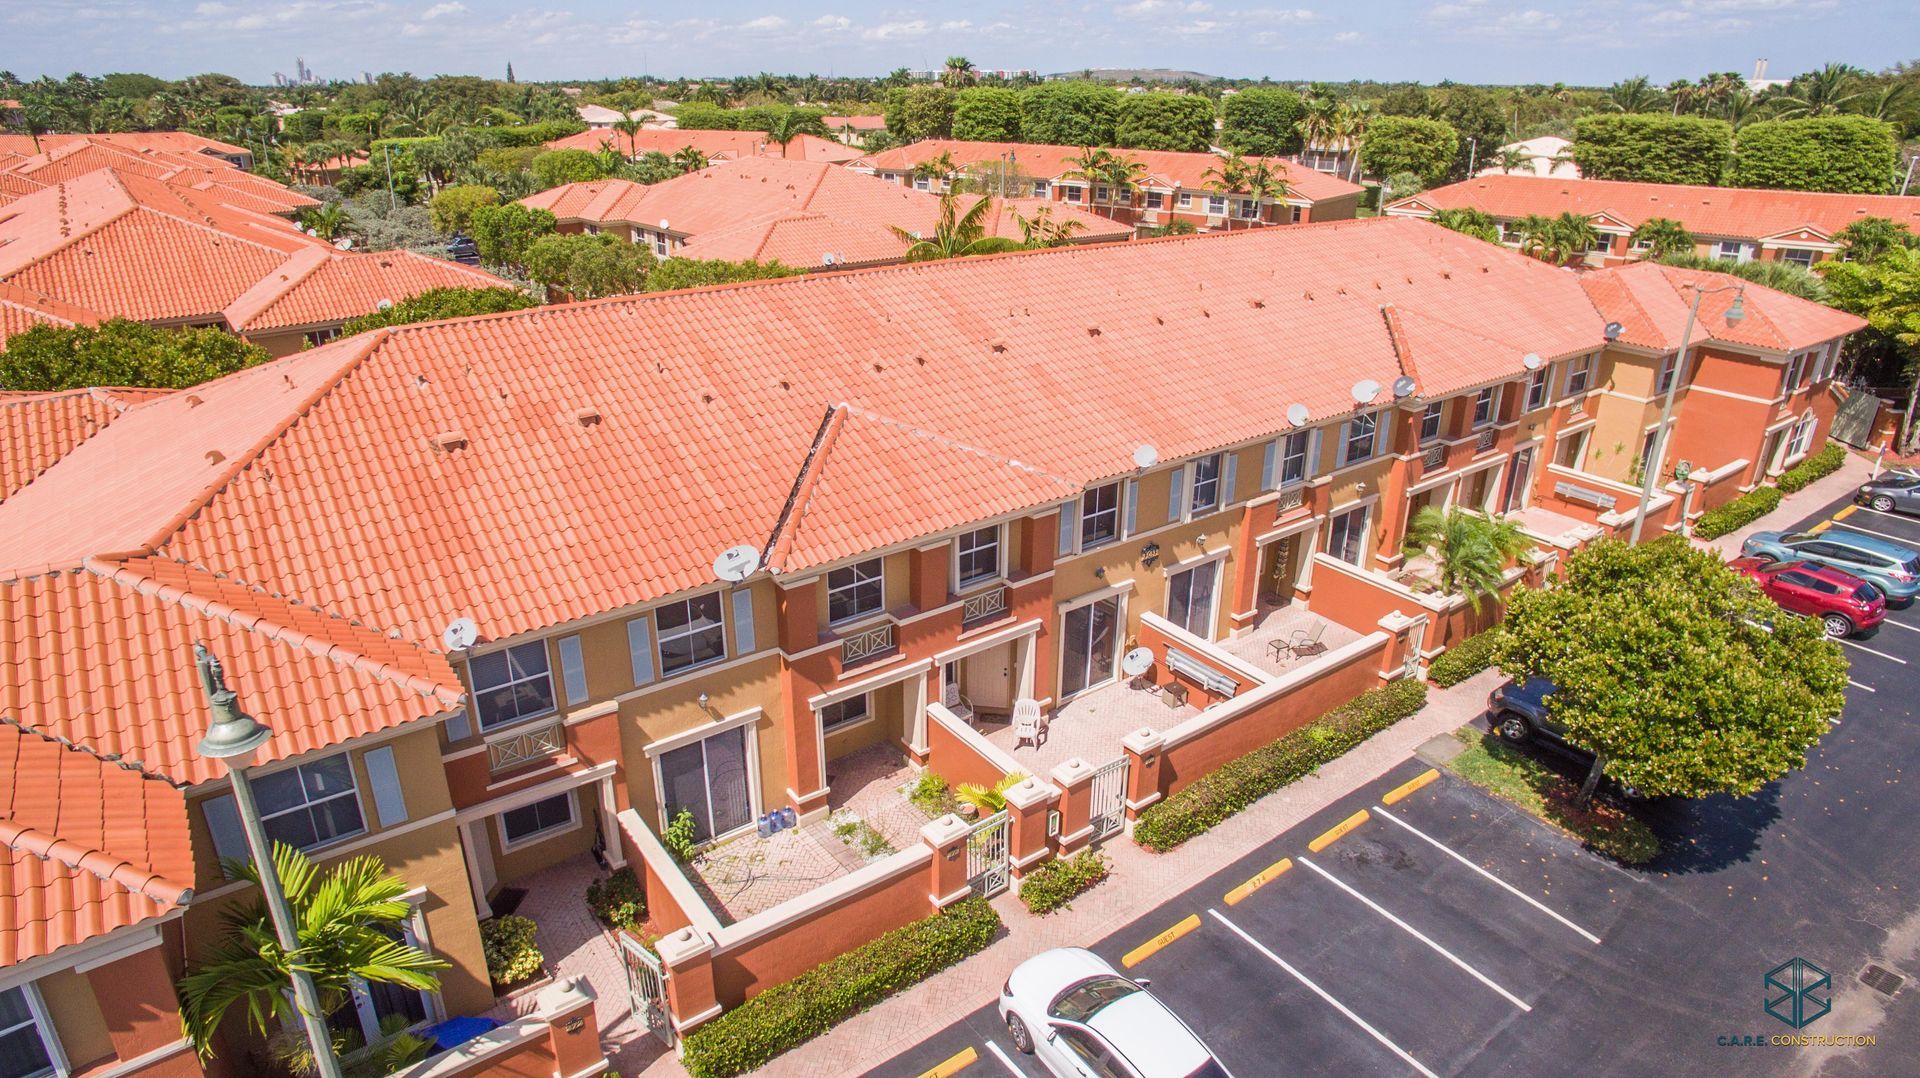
[232, 738]
[1651, 467]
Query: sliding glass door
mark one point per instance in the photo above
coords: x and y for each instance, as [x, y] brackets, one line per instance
[1091, 635]
[709, 779]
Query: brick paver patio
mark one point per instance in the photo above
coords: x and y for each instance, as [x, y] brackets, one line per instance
[1090, 726]
[1279, 623]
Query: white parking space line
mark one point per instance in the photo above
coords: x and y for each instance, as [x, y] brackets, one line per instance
[1849, 527]
[1901, 625]
[1870, 651]
[1510, 888]
[1417, 934]
[1323, 994]
[1889, 516]
[1857, 685]
[1004, 1061]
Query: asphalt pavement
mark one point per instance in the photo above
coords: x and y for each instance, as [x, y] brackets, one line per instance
[1444, 932]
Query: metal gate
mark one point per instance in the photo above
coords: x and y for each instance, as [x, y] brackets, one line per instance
[647, 989]
[987, 855]
[1109, 807]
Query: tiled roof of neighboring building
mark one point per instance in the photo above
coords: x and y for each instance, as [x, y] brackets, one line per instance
[315, 286]
[716, 145]
[172, 141]
[1732, 212]
[37, 429]
[1650, 302]
[23, 308]
[1165, 168]
[858, 123]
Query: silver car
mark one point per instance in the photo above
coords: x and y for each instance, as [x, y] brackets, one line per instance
[1890, 492]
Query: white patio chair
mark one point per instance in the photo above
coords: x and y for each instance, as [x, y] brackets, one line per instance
[956, 702]
[1307, 641]
[1028, 723]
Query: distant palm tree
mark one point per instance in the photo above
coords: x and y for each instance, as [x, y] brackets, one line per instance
[1819, 93]
[1350, 128]
[630, 127]
[939, 168]
[1892, 98]
[1041, 230]
[957, 234]
[1513, 159]
[958, 73]
[1662, 237]
[327, 221]
[1469, 550]
[688, 159]
[1633, 95]
[1316, 122]
[789, 124]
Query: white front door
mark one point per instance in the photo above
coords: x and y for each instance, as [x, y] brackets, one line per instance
[988, 677]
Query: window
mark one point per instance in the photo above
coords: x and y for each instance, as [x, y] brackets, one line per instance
[691, 633]
[1347, 535]
[1249, 208]
[1799, 256]
[1647, 449]
[1206, 485]
[1099, 516]
[708, 779]
[1084, 999]
[1537, 390]
[528, 822]
[1100, 194]
[1483, 407]
[1602, 243]
[1791, 380]
[1664, 382]
[1040, 188]
[23, 1048]
[1185, 201]
[1070, 193]
[844, 713]
[923, 183]
[1089, 637]
[1092, 1053]
[593, 230]
[1580, 373]
[1360, 437]
[310, 805]
[1430, 421]
[1190, 599]
[1295, 214]
[319, 337]
[1293, 458]
[1731, 250]
[660, 246]
[854, 591]
[1802, 437]
[373, 1002]
[1216, 205]
[511, 684]
[978, 553]
[1156, 200]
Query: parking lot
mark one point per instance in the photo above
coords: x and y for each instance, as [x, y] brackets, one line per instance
[1420, 926]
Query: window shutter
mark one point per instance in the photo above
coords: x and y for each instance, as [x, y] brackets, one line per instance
[640, 650]
[1313, 454]
[1176, 493]
[1267, 459]
[1340, 450]
[1069, 521]
[743, 621]
[385, 776]
[458, 728]
[573, 669]
[223, 823]
[1228, 472]
[1133, 506]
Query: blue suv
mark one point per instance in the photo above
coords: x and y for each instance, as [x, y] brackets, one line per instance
[1889, 567]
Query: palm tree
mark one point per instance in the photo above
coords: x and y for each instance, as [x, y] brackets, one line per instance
[1536, 234]
[1681, 92]
[1633, 95]
[1819, 93]
[688, 159]
[629, 126]
[938, 168]
[1661, 237]
[1350, 127]
[789, 124]
[1123, 174]
[1512, 159]
[327, 221]
[1316, 122]
[1041, 230]
[1470, 551]
[959, 72]
[957, 234]
[1891, 98]
[348, 924]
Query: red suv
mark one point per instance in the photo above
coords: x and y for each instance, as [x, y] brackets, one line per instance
[1844, 602]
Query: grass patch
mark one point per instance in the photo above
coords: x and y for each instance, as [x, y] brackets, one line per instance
[862, 836]
[1515, 776]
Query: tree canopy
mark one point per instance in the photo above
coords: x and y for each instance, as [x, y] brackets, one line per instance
[1470, 222]
[1674, 670]
[697, 272]
[119, 352]
[1069, 113]
[503, 233]
[1164, 122]
[588, 267]
[1262, 121]
[1817, 153]
[1652, 148]
[453, 207]
[1425, 148]
[987, 114]
[438, 303]
[920, 112]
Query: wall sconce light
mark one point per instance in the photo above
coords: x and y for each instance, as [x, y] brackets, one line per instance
[1100, 572]
[1150, 555]
[703, 702]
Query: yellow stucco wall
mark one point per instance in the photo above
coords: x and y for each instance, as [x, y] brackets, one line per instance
[511, 866]
[76, 1016]
[674, 707]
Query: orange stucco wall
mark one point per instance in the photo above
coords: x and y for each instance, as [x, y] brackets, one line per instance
[788, 952]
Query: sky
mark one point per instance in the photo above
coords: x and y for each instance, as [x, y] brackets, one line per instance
[1581, 42]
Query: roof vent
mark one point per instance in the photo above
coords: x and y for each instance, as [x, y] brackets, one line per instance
[587, 416]
[448, 440]
[194, 401]
[1256, 304]
[1093, 331]
[214, 456]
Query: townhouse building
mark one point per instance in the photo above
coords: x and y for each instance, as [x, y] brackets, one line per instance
[215, 175]
[799, 213]
[500, 584]
[1731, 223]
[1174, 186]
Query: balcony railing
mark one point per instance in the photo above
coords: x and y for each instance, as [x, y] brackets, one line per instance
[1293, 498]
[1434, 459]
[527, 746]
[1486, 440]
[867, 644]
[983, 607]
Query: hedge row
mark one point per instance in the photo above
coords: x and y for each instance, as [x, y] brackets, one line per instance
[1463, 660]
[1737, 513]
[1239, 783]
[1817, 466]
[790, 1014]
[1054, 884]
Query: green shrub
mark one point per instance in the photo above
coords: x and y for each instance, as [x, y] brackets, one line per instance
[1465, 659]
[1239, 783]
[617, 900]
[511, 953]
[790, 1014]
[1737, 513]
[1053, 885]
[678, 837]
[930, 794]
[1814, 467]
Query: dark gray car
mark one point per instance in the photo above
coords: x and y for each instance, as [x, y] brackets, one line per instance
[1894, 491]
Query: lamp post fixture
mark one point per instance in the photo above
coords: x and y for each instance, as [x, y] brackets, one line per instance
[232, 738]
[1735, 314]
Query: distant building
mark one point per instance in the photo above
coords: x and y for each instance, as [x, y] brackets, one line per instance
[1548, 155]
[602, 118]
[1760, 81]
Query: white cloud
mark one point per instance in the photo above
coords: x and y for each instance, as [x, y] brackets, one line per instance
[1454, 9]
[832, 22]
[764, 24]
[1348, 37]
[888, 31]
[452, 7]
[956, 25]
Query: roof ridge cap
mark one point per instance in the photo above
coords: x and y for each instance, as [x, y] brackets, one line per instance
[108, 866]
[262, 294]
[110, 759]
[780, 542]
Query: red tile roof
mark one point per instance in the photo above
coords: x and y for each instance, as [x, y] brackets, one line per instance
[313, 287]
[23, 308]
[37, 429]
[1730, 212]
[1165, 168]
[858, 123]
[1650, 302]
[172, 141]
[716, 145]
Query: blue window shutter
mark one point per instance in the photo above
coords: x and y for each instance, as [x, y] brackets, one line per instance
[573, 669]
[1069, 523]
[1176, 493]
[1228, 473]
[385, 776]
[743, 621]
[1267, 460]
[1133, 506]
[640, 650]
[458, 728]
[223, 823]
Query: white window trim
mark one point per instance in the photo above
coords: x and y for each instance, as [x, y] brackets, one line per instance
[999, 574]
[1363, 507]
[749, 719]
[1190, 475]
[661, 673]
[1345, 456]
[574, 819]
[1307, 438]
[1119, 593]
[1437, 409]
[1215, 559]
[880, 576]
[42, 1021]
[1494, 397]
[358, 801]
[1119, 518]
[820, 715]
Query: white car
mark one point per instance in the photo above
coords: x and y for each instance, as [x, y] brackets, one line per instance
[1081, 1018]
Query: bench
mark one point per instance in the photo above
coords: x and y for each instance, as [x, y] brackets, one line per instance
[1215, 682]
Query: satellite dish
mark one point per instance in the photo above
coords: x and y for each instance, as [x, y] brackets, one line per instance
[1403, 386]
[344, 244]
[460, 634]
[313, 232]
[736, 563]
[1146, 457]
[383, 305]
[1365, 390]
[1136, 662]
[1613, 331]
[663, 224]
[1298, 415]
[1531, 361]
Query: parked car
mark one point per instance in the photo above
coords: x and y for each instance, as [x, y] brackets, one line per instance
[1892, 569]
[1082, 1018]
[1845, 603]
[1894, 490]
[463, 250]
[1518, 712]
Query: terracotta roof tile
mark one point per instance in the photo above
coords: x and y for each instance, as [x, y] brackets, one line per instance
[1650, 302]
[37, 429]
[22, 308]
[716, 145]
[1165, 168]
[316, 287]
